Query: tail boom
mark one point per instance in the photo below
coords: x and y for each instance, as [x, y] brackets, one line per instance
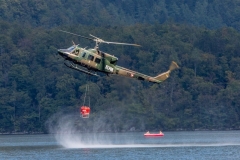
[132, 74]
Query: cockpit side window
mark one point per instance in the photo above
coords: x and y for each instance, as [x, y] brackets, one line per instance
[90, 57]
[97, 60]
[76, 52]
[83, 54]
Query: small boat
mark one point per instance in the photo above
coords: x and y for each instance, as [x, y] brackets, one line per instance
[160, 134]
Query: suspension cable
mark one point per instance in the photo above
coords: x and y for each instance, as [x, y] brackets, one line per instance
[87, 93]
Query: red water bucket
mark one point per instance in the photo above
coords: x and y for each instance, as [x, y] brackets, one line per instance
[85, 111]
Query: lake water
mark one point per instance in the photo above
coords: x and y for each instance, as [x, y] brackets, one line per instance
[174, 145]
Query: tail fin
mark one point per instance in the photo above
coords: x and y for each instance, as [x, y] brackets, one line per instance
[173, 66]
[165, 75]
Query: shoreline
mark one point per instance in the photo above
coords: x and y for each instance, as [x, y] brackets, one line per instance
[177, 130]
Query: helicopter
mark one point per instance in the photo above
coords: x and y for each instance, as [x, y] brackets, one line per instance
[93, 60]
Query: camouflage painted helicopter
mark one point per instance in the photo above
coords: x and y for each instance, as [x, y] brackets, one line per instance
[95, 60]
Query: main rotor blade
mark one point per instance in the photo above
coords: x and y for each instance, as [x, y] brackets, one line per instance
[99, 40]
[77, 35]
[130, 44]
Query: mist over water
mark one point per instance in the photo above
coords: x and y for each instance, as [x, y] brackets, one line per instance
[71, 131]
[70, 145]
[76, 138]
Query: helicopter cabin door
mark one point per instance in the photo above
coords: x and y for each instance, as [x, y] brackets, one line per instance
[98, 62]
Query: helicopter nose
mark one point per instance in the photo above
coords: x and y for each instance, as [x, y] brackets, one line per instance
[63, 52]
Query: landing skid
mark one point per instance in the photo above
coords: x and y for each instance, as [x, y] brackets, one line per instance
[80, 70]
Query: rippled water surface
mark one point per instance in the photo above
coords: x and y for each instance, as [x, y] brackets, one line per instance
[174, 145]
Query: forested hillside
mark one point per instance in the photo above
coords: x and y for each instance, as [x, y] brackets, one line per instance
[204, 94]
[209, 13]
[38, 93]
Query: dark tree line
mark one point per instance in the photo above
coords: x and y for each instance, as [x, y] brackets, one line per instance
[209, 13]
[203, 94]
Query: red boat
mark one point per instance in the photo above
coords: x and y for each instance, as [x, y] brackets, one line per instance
[160, 134]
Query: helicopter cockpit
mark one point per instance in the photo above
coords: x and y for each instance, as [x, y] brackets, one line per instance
[74, 50]
[70, 49]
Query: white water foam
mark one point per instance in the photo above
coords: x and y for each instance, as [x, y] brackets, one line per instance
[114, 140]
[68, 136]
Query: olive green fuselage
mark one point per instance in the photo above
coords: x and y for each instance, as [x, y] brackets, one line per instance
[95, 60]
